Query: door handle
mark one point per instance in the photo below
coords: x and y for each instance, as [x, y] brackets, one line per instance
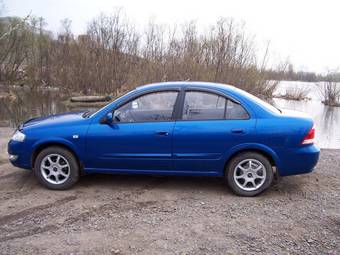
[238, 131]
[162, 133]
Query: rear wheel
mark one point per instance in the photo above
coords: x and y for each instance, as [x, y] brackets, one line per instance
[249, 174]
[56, 168]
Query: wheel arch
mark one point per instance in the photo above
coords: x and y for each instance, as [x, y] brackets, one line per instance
[60, 143]
[257, 148]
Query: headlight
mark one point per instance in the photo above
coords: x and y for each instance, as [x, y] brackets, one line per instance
[18, 136]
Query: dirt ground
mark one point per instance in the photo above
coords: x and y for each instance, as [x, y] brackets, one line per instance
[170, 215]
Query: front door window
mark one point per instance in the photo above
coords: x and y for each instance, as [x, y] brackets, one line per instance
[151, 107]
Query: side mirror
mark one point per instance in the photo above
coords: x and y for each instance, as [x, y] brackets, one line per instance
[108, 119]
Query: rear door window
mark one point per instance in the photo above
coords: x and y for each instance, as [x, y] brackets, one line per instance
[200, 105]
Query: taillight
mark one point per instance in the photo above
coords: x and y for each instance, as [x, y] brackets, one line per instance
[309, 138]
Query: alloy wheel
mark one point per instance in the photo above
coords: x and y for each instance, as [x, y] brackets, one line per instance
[55, 169]
[249, 174]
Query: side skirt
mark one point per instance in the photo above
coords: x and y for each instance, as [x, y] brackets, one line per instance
[158, 172]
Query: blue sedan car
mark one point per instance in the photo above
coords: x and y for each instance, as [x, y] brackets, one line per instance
[172, 128]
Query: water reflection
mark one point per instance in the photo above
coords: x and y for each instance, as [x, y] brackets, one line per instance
[326, 118]
[29, 104]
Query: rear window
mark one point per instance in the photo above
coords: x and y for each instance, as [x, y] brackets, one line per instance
[259, 101]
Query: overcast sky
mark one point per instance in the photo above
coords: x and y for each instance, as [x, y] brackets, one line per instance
[307, 32]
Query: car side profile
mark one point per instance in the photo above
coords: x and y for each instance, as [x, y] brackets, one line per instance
[171, 128]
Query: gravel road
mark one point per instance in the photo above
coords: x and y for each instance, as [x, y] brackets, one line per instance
[170, 215]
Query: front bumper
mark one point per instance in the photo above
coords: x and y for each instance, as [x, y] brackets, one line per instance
[19, 155]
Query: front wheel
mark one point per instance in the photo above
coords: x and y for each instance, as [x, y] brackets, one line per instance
[56, 168]
[249, 174]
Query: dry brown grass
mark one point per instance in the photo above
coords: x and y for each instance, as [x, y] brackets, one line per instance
[295, 94]
[330, 93]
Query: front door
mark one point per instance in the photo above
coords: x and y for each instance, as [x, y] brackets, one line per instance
[139, 139]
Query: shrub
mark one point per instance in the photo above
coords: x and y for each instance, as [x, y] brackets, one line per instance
[330, 92]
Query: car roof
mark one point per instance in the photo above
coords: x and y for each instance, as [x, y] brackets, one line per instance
[197, 84]
[235, 93]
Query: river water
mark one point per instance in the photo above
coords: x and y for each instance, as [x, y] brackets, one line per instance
[327, 119]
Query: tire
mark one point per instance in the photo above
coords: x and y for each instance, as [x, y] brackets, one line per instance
[256, 176]
[56, 168]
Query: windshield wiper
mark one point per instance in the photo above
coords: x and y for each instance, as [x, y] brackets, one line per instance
[86, 114]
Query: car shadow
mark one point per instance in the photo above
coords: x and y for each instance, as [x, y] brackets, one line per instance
[149, 181]
[179, 183]
[25, 180]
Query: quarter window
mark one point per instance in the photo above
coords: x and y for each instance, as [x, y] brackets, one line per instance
[235, 111]
[156, 106]
[208, 106]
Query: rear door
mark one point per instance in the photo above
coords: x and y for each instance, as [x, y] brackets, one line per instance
[209, 126]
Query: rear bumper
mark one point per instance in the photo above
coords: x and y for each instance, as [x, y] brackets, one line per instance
[299, 161]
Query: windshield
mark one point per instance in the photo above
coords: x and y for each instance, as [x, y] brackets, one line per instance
[260, 101]
[88, 114]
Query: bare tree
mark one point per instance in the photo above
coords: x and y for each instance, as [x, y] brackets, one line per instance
[112, 56]
[14, 33]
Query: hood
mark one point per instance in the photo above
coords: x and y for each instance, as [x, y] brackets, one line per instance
[58, 119]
